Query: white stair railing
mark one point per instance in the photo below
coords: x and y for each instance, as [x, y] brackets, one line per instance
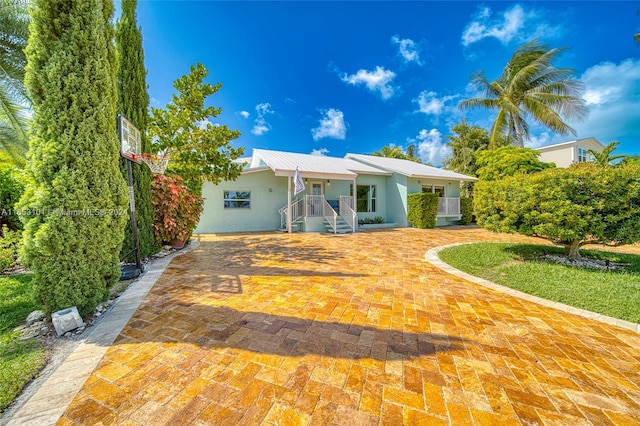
[313, 206]
[330, 215]
[297, 212]
[347, 211]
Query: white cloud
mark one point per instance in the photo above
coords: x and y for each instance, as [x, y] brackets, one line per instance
[260, 124]
[320, 152]
[244, 114]
[408, 49]
[260, 127]
[431, 148]
[430, 104]
[515, 23]
[380, 80]
[544, 138]
[612, 93]
[332, 125]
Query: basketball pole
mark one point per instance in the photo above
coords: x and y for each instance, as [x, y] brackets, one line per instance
[134, 220]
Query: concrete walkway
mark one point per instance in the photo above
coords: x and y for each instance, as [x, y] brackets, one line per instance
[357, 329]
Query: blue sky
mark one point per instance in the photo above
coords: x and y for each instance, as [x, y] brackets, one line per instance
[337, 77]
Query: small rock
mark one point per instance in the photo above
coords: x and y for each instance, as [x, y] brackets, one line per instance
[44, 330]
[35, 316]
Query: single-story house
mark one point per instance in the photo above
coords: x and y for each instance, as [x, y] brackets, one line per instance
[566, 153]
[337, 193]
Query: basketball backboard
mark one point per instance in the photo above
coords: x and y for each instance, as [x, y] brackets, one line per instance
[130, 145]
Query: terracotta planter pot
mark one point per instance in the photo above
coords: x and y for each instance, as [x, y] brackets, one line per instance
[177, 243]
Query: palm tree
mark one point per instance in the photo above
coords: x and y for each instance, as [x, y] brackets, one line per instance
[14, 103]
[396, 152]
[605, 158]
[530, 87]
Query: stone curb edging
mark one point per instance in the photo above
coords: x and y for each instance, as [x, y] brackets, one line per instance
[53, 397]
[432, 257]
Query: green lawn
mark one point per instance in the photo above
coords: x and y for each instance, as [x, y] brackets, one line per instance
[613, 293]
[20, 360]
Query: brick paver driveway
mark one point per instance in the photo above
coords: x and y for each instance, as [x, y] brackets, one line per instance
[351, 330]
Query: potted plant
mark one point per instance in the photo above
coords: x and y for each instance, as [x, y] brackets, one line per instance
[176, 210]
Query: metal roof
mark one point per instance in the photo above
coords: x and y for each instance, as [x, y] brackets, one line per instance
[409, 168]
[311, 166]
[562, 144]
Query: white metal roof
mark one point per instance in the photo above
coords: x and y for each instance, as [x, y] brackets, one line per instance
[311, 166]
[561, 144]
[409, 168]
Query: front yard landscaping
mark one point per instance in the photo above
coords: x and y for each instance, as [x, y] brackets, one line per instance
[525, 267]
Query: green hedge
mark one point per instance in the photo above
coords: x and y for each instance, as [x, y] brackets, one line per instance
[423, 208]
[466, 210]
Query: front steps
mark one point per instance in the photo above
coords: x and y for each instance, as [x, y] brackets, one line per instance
[342, 227]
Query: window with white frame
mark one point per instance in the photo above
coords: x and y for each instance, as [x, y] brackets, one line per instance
[237, 199]
[366, 198]
[582, 154]
[435, 189]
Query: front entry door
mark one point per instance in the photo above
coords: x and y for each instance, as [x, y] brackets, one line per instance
[317, 192]
[317, 188]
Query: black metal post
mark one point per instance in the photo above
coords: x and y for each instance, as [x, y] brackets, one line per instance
[134, 221]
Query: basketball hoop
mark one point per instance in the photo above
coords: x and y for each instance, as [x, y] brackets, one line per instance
[157, 163]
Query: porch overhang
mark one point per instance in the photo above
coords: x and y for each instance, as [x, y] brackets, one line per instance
[316, 175]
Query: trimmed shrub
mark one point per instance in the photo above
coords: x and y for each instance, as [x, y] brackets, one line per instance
[584, 204]
[466, 210]
[422, 209]
[78, 198]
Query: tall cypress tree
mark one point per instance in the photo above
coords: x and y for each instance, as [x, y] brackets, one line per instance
[75, 211]
[133, 103]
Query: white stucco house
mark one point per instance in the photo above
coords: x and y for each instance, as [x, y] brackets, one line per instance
[338, 192]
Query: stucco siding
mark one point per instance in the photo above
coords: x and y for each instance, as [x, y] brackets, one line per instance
[268, 194]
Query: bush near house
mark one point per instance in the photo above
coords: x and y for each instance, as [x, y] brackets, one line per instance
[422, 210]
[466, 210]
[584, 204]
[177, 211]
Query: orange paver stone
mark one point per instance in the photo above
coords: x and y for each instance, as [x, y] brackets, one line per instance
[267, 328]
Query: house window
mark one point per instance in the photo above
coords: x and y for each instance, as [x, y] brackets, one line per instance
[435, 189]
[582, 155]
[366, 199]
[237, 199]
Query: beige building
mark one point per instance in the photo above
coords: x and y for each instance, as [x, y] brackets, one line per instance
[566, 153]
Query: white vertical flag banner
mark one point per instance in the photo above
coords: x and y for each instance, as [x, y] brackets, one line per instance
[298, 182]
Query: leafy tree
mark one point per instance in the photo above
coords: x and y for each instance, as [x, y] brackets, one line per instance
[76, 207]
[14, 31]
[508, 161]
[397, 152]
[133, 103]
[584, 204]
[530, 87]
[466, 141]
[198, 150]
[605, 158]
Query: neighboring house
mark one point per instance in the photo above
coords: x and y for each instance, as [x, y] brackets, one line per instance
[566, 153]
[259, 199]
